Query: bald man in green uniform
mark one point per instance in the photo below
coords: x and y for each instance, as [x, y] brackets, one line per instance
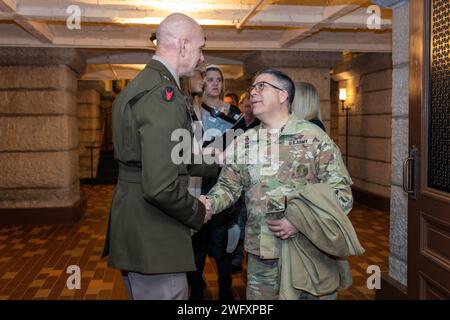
[152, 212]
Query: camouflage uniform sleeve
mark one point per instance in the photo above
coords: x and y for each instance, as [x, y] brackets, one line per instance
[332, 170]
[228, 188]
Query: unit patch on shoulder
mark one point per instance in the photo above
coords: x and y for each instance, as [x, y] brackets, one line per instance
[168, 94]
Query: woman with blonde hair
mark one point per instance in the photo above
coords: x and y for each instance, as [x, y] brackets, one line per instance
[306, 104]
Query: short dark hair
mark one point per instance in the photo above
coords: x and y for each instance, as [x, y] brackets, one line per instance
[233, 97]
[285, 81]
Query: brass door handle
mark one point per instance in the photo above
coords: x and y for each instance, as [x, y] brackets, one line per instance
[409, 174]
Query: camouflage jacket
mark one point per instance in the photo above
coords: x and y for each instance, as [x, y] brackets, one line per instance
[269, 167]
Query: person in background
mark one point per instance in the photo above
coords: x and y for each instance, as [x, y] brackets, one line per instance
[212, 239]
[192, 88]
[306, 104]
[231, 98]
[214, 90]
[245, 105]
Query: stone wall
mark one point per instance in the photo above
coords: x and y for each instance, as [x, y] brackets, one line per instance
[368, 80]
[400, 95]
[39, 130]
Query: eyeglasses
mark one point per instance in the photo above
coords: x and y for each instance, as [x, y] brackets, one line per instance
[259, 86]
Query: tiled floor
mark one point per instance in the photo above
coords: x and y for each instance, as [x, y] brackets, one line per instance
[34, 259]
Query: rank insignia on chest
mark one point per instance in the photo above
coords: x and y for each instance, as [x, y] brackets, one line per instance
[168, 94]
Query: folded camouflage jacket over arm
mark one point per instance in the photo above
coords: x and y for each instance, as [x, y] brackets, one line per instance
[315, 260]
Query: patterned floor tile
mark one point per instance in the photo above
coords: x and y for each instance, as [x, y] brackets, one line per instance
[34, 259]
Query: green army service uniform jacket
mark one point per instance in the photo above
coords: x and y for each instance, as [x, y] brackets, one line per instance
[269, 169]
[152, 212]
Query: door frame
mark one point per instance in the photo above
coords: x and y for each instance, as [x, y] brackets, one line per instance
[418, 79]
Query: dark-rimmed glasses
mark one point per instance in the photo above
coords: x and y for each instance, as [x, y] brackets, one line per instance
[259, 86]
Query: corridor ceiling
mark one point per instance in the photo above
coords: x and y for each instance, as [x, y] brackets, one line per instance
[117, 31]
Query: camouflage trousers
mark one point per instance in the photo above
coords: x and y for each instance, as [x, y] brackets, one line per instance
[263, 278]
[263, 281]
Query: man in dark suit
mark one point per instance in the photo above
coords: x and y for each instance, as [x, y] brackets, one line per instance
[152, 212]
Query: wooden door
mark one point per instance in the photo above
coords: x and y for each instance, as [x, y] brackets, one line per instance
[428, 170]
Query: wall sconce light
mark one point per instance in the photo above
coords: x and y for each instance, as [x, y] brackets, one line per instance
[153, 39]
[343, 98]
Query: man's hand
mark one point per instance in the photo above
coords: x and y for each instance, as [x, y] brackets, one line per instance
[282, 228]
[208, 206]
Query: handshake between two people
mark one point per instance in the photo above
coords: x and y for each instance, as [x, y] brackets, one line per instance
[281, 227]
[208, 207]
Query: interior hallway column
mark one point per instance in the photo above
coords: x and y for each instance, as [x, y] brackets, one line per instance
[39, 146]
[394, 284]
